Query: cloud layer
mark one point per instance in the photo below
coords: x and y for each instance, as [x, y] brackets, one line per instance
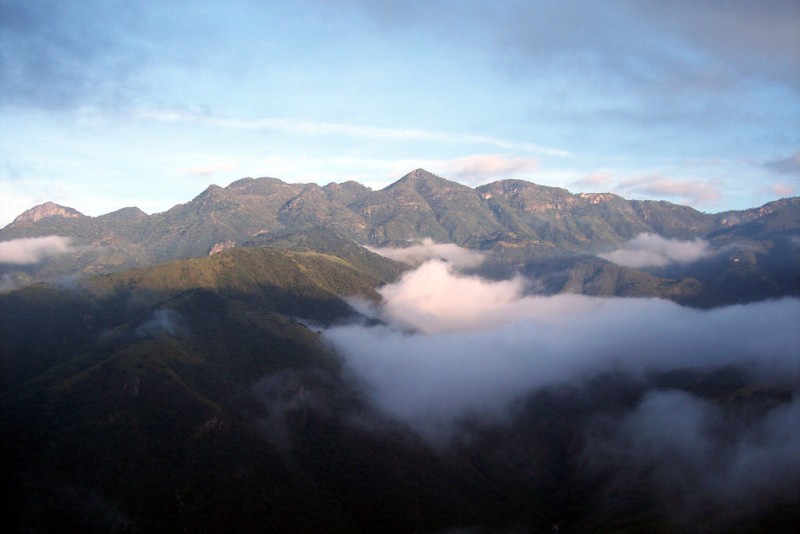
[705, 460]
[456, 345]
[651, 250]
[31, 250]
[426, 249]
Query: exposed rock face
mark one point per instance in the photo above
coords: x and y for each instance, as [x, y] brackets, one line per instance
[219, 247]
[48, 209]
[597, 198]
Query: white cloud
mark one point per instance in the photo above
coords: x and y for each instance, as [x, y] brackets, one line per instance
[434, 299]
[426, 249]
[651, 250]
[456, 345]
[30, 250]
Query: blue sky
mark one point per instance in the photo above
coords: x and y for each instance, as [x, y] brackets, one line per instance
[106, 104]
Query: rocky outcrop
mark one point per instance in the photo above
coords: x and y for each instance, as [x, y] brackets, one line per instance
[219, 247]
[48, 209]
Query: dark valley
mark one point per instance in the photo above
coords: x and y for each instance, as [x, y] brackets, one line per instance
[211, 368]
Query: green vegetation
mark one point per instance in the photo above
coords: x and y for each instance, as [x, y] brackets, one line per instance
[513, 221]
[128, 395]
[167, 390]
[189, 396]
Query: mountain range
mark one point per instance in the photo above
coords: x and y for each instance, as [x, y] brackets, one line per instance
[172, 372]
[517, 224]
[508, 213]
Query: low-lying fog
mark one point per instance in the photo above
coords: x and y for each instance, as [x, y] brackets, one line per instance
[450, 346]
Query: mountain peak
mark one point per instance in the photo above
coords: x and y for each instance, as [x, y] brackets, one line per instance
[421, 174]
[131, 214]
[259, 186]
[48, 209]
[213, 194]
[428, 180]
[212, 189]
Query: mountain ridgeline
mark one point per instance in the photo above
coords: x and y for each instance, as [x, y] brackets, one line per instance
[515, 223]
[175, 372]
[504, 214]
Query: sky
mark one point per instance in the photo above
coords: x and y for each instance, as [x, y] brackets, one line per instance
[106, 104]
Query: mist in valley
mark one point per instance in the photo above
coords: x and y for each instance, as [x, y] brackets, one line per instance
[454, 355]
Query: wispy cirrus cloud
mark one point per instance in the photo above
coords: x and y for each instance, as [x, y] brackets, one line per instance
[310, 127]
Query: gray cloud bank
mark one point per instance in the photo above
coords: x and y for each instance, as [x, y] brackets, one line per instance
[789, 165]
[651, 250]
[31, 250]
[673, 49]
[701, 458]
[455, 346]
